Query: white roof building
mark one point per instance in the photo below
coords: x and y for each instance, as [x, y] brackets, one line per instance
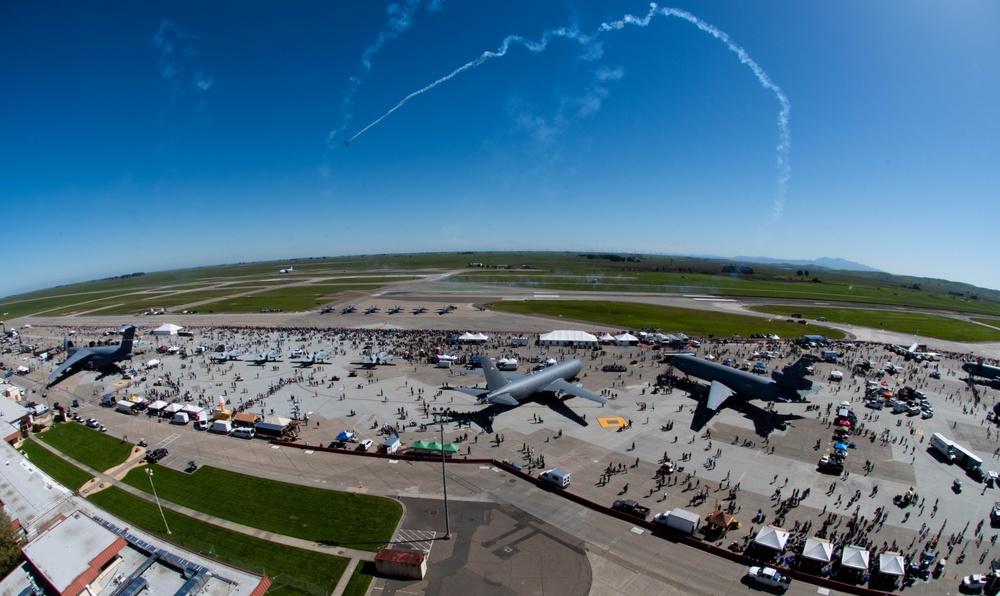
[568, 338]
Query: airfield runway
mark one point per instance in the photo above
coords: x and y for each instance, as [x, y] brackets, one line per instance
[512, 538]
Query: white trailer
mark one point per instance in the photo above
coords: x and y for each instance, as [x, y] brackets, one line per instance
[556, 476]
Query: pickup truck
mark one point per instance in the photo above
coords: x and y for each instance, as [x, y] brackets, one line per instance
[631, 508]
[769, 577]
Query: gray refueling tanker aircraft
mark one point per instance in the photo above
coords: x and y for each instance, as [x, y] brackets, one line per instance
[727, 381]
[97, 356]
[511, 389]
[979, 369]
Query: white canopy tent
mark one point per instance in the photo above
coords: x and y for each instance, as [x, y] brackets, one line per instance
[167, 329]
[626, 339]
[607, 338]
[892, 564]
[818, 549]
[568, 338]
[470, 337]
[855, 557]
[772, 537]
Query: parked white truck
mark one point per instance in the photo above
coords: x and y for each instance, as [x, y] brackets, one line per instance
[679, 519]
[556, 476]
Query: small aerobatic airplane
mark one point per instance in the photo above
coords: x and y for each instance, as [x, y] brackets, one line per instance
[97, 356]
[446, 309]
[226, 356]
[348, 309]
[727, 381]
[263, 358]
[419, 310]
[395, 309]
[371, 309]
[314, 358]
[510, 389]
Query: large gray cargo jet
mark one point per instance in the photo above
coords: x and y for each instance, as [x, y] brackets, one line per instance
[98, 356]
[978, 369]
[511, 389]
[727, 381]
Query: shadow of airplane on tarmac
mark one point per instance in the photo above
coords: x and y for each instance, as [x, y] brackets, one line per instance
[764, 422]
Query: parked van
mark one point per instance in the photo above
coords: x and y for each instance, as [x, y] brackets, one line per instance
[180, 418]
[223, 427]
[243, 432]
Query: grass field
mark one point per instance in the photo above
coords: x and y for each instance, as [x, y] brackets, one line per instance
[911, 323]
[237, 549]
[59, 469]
[635, 315]
[358, 521]
[86, 445]
[362, 577]
[551, 270]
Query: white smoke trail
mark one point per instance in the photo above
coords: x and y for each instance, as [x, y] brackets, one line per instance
[784, 132]
[400, 19]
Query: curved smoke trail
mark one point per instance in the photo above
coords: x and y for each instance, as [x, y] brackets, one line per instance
[784, 132]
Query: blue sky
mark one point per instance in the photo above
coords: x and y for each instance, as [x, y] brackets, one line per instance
[141, 136]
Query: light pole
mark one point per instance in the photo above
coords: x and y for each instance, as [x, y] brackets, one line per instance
[444, 482]
[149, 472]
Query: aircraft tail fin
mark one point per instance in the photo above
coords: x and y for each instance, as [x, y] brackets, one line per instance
[494, 378]
[127, 339]
[794, 376]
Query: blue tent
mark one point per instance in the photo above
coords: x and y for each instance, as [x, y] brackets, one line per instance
[840, 446]
[345, 435]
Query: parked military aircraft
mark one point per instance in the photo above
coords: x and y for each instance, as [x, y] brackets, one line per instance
[325, 310]
[97, 356]
[727, 381]
[419, 310]
[371, 309]
[978, 369]
[446, 309]
[916, 351]
[395, 309]
[348, 309]
[288, 270]
[264, 357]
[372, 360]
[511, 389]
[227, 355]
[314, 358]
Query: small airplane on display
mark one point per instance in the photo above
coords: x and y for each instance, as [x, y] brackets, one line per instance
[395, 309]
[446, 309]
[511, 389]
[326, 309]
[371, 361]
[226, 356]
[371, 309]
[348, 309]
[264, 357]
[727, 381]
[314, 358]
[288, 270]
[97, 356]
[419, 309]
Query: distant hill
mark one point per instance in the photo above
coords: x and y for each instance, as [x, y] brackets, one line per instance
[825, 262]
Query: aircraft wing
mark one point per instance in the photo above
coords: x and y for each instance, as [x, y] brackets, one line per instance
[567, 387]
[477, 393]
[79, 356]
[479, 372]
[717, 394]
[503, 398]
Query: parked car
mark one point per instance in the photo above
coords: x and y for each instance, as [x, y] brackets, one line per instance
[769, 577]
[974, 582]
[156, 455]
[93, 423]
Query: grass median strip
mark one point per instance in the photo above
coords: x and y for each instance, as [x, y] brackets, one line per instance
[362, 522]
[59, 469]
[86, 445]
[253, 554]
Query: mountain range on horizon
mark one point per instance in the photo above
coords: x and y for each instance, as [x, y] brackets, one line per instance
[825, 262]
